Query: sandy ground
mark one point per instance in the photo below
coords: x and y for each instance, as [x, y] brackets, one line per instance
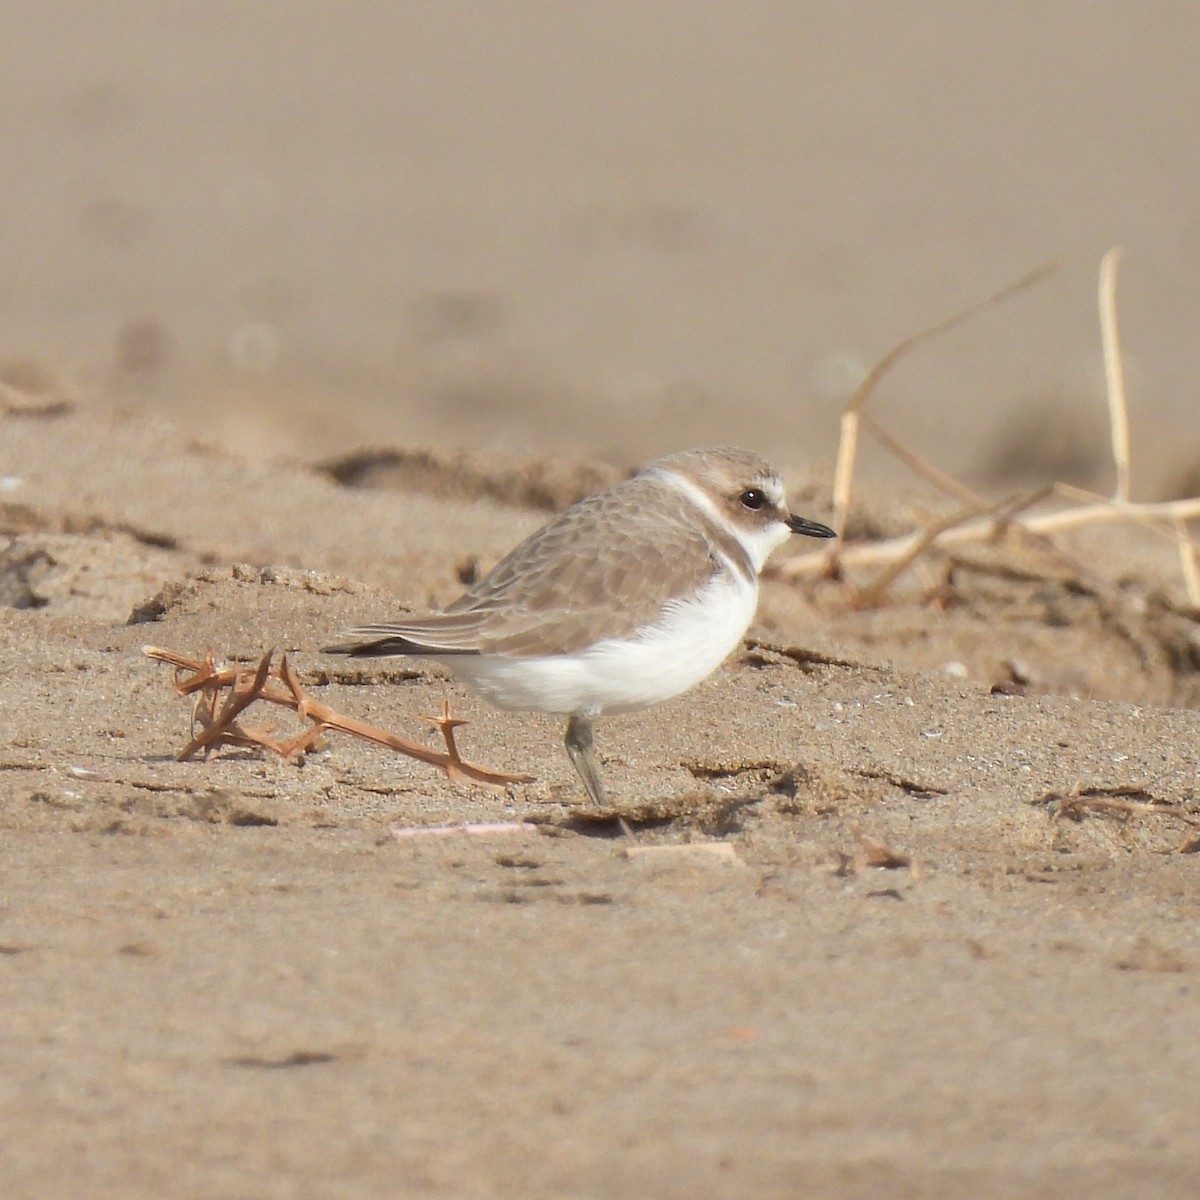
[879, 927]
[311, 313]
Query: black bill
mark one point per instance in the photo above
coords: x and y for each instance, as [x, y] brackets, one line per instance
[808, 528]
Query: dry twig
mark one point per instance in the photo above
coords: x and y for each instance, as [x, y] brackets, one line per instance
[1121, 803]
[980, 521]
[843, 476]
[1114, 373]
[219, 724]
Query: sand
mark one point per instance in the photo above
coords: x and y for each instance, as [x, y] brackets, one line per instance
[878, 927]
[309, 317]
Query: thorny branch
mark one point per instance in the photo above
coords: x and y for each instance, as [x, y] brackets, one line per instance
[223, 695]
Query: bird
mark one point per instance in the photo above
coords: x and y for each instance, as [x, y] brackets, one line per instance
[625, 599]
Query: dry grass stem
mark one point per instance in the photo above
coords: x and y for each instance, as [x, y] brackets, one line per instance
[223, 695]
[927, 471]
[984, 522]
[1114, 372]
[870, 595]
[984, 529]
[843, 476]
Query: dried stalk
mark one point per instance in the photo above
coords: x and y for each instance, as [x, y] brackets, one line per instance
[897, 554]
[1114, 373]
[220, 726]
[843, 476]
[1078, 803]
[982, 530]
[869, 596]
[918, 466]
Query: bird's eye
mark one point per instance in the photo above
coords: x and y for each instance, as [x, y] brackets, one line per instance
[753, 498]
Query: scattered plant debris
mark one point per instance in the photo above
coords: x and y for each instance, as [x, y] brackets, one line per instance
[1119, 803]
[879, 854]
[222, 695]
[979, 520]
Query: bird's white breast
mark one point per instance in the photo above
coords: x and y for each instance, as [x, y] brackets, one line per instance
[689, 640]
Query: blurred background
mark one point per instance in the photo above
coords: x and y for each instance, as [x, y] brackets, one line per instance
[607, 230]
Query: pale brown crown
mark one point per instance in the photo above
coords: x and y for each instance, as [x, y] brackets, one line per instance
[726, 475]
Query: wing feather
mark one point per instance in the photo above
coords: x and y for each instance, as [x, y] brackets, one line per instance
[554, 593]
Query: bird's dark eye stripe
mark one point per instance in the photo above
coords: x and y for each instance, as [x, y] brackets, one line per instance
[753, 498]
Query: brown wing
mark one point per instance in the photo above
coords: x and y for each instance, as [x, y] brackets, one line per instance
[417, 635]
[553, 594]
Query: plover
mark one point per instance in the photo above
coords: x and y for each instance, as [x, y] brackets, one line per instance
[622, 601]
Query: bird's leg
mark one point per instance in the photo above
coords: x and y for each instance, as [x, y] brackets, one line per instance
[583, 756]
